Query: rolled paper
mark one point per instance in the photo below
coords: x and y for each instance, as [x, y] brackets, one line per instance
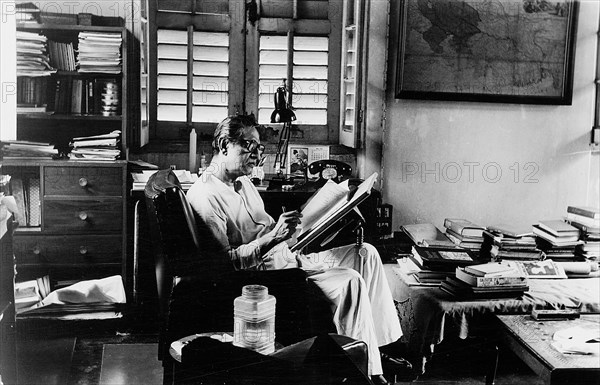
[192, 155]
[576, 267]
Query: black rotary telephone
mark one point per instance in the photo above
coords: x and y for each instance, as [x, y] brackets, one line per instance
[330, 169]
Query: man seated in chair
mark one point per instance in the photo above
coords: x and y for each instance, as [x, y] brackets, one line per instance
[230, 205]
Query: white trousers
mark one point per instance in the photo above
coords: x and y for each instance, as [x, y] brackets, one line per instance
[362, 306]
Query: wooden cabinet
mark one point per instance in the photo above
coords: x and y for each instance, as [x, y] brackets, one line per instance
[82, 220]
[73, 225]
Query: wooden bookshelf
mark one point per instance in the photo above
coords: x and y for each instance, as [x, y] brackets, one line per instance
[72, 115]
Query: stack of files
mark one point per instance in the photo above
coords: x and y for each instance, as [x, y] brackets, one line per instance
[27, 13]
[504, 242]
[99, 52]
[486, 281]
[98, 147]
[587, 220]
[464, 233]
[63, 310]
[557, 239]
[32, 56]
[27, 149]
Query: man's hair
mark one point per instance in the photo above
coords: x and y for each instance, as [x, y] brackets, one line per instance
[231, 129]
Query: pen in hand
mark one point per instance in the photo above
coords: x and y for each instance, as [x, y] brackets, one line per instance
[283, 210]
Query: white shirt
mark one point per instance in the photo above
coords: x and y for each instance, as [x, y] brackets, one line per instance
[236, 216]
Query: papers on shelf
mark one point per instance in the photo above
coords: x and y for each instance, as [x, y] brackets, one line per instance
[99, 52]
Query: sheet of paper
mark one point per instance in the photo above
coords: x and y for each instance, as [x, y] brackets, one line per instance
[328, 199]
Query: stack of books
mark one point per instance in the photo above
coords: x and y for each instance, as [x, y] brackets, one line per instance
[62, 55]
[438, 259]
[504, 242]
[32, 56]
[413, 275]
[99, 52]
[98, 147]
[488, 280]
[31, 94]
[464, 233]
[587, 220]
[556, 239]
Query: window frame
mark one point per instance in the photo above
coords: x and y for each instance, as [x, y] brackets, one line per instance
[244, 43]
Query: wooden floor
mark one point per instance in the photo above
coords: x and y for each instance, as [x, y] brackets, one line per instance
[114, 357]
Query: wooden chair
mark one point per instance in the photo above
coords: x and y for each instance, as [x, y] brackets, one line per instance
[197, 285]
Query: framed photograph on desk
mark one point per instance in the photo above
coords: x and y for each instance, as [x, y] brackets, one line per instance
[301, 155]
[506, 51]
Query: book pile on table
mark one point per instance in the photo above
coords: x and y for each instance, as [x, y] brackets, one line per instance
[557, 239]
[505, 242]
[99, 52]
[413, 275]
[32, 55]
[587, 220]
[464, 233]
[441, 259]
[98, 147]
[488, 280]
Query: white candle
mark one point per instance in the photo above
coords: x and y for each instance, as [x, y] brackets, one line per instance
[192, 159]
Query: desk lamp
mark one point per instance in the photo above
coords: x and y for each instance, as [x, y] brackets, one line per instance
[283, 113]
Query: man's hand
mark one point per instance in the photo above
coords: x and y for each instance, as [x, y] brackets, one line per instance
[286, 225]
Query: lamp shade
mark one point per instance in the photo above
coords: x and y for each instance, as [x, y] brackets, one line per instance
[282, 112]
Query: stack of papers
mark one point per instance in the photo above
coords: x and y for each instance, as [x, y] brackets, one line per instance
[99, 52]
[27, 149]
[32, 55]
[98, 147]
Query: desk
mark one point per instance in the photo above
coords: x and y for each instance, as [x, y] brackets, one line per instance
[428, 314]
[530, 341]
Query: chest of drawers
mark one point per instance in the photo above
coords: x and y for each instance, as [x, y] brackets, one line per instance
[74, 221]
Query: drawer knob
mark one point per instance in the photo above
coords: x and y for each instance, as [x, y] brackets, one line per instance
[83, 182]
[83, 250]
[36, 250]
[83, 215]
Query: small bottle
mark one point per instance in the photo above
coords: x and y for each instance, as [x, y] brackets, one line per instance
[254, 319]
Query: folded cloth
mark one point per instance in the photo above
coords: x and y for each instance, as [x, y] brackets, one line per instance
[105, 290]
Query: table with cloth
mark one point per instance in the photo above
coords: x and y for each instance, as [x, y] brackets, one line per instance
[429, 315]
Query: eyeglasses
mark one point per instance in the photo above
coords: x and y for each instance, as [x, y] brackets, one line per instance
[253, 145]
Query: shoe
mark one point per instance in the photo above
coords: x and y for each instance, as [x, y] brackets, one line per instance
[397, 368]
[379, 380]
